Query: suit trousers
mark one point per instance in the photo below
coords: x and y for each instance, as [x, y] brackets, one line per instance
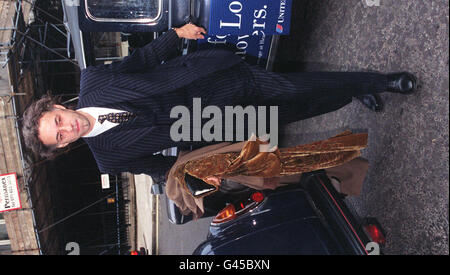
[298, 95]
[303, 95]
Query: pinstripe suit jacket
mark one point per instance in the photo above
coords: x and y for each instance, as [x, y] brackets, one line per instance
[135, 84]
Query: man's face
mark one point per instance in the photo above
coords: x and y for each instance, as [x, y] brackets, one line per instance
[61, 126]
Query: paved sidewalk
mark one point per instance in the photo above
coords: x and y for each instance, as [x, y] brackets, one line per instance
[146, 214]
[407, 186]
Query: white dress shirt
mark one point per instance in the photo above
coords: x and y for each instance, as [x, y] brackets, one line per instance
[99, 127]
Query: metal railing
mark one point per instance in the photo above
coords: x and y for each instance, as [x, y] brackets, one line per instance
[117, 222]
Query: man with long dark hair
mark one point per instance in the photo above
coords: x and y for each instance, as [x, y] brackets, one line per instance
[123, 111]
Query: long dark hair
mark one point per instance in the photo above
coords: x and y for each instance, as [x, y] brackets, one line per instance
[30, 125]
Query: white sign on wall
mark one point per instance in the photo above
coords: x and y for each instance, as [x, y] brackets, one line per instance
[9, 193]
[105, 181]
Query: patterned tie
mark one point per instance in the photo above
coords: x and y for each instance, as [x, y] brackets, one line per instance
[116, 117]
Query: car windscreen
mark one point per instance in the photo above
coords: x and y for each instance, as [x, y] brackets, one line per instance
[140, 11]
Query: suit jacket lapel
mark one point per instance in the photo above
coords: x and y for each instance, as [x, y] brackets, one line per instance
[122, 136]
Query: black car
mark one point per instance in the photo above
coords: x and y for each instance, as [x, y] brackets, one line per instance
[309, 217]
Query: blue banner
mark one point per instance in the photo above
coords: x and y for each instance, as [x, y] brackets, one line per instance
[254, 49]
[241, 17]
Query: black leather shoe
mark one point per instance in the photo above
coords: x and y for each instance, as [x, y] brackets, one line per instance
[371, 101]
[403, 83]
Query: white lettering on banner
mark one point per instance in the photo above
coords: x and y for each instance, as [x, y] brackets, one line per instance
[259, 26]
[215, 41]
[242, 45]
[235, 7]
[255, 21]
[259, 14]
[282, 11]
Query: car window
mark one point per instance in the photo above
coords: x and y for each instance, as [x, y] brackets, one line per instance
[128, 11]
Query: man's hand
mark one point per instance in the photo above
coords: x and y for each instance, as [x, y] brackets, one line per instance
[190, 31]
[214, 180]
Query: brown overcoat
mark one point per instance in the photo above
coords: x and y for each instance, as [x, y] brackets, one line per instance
[351, 170]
